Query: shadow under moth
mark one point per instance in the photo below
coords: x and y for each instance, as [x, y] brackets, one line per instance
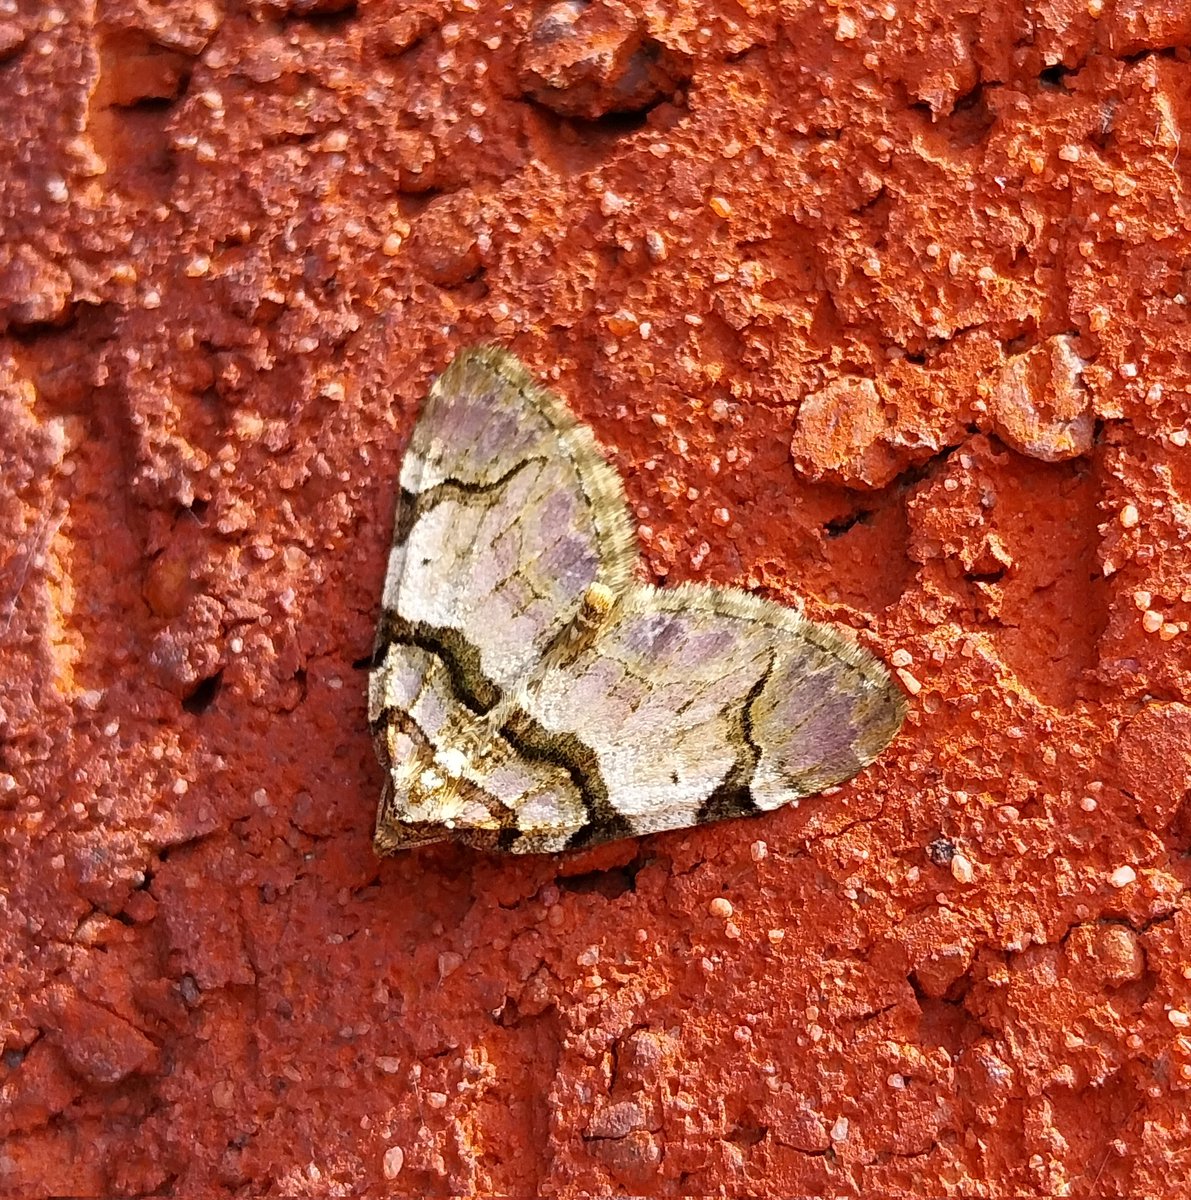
[529, 693]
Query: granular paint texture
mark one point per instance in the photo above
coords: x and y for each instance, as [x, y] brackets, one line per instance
[880, 307]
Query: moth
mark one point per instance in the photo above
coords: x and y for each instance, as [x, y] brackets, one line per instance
[530, 693]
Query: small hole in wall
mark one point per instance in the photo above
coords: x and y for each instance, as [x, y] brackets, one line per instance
[203, 695]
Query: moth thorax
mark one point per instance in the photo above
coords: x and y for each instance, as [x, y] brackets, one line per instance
[594, 608]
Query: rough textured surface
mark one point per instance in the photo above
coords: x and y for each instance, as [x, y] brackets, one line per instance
[238, 237]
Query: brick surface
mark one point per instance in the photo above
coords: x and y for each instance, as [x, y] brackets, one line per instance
[879, 307]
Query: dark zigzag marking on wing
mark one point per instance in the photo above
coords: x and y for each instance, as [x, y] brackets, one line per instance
[453, 489]
[411, 506]
[525, 735]
[447, 644]
[579, 760]
[480, 795]
[470, 686]
[733, 797]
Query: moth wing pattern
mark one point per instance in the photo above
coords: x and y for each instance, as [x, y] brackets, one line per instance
[698, 703]
[448, 769]
[528, 694]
